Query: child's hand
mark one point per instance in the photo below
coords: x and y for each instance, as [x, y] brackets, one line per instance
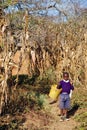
[71, 82]
[58, 86]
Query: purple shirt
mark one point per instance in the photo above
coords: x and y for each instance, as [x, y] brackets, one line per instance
[66, 86]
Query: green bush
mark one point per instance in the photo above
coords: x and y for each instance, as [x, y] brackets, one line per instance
[82, 117]
[25, 102]
[46, 80]
[13, 125]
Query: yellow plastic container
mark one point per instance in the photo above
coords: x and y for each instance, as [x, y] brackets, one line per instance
[54, 92]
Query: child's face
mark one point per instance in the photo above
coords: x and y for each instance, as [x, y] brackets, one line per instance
[66, 77]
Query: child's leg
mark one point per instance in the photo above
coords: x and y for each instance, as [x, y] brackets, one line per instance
[61, 106]
[66, 106]
[65, 115]
[65, 112]
[62, 115]
[61, 112]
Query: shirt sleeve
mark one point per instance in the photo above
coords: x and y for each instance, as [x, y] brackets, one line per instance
[72, 87]
[59, 85]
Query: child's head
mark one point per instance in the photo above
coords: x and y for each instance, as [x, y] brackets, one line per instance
[66, 75]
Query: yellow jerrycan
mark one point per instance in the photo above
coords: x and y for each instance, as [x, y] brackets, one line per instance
[54, 92]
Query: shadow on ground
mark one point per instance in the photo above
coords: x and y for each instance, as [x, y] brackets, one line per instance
[73, 110]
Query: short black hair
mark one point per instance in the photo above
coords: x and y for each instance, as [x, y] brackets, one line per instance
[65, 73]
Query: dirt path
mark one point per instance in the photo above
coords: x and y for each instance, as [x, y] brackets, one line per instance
[54, 124]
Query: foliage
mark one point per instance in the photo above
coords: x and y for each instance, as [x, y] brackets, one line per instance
[79, 98]
[82, 117]
[36, 100]
[7, 3]
[15, 124]
[65, 50]
[45, 81]
[24, 80]
[20, 101]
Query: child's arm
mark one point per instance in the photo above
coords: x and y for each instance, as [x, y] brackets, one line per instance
[59, 85]
[72, 87]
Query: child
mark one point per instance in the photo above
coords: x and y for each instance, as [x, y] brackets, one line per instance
[64, 99]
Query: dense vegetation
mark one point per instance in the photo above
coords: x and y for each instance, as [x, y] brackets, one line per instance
[26, 80]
